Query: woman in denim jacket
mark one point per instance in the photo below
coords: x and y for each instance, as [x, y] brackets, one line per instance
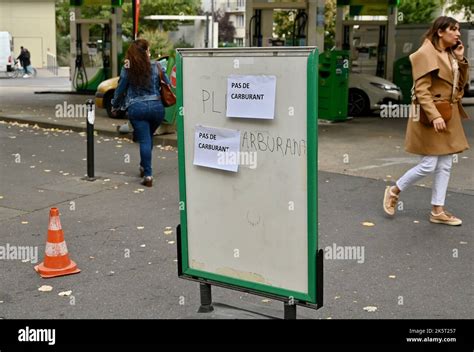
[139, 92]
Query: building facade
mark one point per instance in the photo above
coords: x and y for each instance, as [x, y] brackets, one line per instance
[32, 24]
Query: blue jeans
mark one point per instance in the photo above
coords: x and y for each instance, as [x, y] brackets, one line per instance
[146, 117]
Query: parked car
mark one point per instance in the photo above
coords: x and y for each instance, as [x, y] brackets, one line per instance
[367, 93]
[105, 92]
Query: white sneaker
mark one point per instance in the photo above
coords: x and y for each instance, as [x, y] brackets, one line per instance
[26, 76]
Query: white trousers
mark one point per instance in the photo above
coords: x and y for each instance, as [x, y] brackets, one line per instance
[440, 165]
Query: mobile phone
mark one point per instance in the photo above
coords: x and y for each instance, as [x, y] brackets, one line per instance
[456, 45]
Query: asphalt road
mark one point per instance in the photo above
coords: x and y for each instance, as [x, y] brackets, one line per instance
[115, 231]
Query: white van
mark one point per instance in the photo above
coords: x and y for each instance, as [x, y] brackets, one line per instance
[6, 52]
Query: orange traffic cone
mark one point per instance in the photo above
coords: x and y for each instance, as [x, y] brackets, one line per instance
[56, 260]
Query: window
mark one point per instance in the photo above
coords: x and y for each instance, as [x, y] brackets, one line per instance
[239, 21]
[240, 3]
[239, 41]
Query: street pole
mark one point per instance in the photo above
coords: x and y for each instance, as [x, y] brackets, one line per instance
[212, 23]
[90, 140]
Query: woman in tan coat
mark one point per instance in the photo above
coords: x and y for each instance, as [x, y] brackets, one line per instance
[440, 72]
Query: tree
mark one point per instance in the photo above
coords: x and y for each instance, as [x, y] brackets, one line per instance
[330, 24]
[147, 8]
[284, 21]
[419, 11]
[159, 43]
[466, 6]
[226, 27]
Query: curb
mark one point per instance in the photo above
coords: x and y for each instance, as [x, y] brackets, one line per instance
[165, 140]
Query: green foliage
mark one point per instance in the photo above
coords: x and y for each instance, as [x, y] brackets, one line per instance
[329, 24]
[418, 11]
[466, 6]
[284, 21]
[182, 44]
[159, 43]
[147, 28]
[166, 7]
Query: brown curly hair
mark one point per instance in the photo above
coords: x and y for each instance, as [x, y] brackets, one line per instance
[138, 63]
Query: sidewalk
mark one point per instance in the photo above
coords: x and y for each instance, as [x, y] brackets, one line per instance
[21, 100]
[117, 231]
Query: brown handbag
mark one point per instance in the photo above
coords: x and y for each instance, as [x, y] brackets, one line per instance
[444, 107]
[167, 96]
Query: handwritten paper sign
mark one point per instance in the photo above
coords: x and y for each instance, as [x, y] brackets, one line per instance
[211, 145]
[251, 96]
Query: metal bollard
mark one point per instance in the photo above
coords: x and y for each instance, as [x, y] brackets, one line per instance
[90, 140]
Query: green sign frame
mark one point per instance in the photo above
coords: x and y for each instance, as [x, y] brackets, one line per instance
[312, 198]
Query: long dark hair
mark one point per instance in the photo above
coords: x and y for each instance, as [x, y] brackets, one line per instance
[442, 23]
[138, 63]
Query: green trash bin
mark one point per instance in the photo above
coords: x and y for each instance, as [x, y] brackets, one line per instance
[333, 95]
[403, 78]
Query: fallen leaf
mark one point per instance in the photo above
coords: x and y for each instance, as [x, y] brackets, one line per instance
[111, 273]
[24, 222]
[91, 257]
[32, 167]
[66, 173]
[168, 228]
[370, 308]
[169, 232]
[143, 245]
[65, 293]
[392, 276]
[45, 288]
[265, 300]
[106, 179]
[149, 263]
[175, 260]
[368, 224]
[140, 227]
[416, 221]
[170, 242]
[1, 197]
[47, 170]
[462, 242]
[337, 297]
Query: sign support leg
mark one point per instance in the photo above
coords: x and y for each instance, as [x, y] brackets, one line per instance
[289, 311]
[206, 299]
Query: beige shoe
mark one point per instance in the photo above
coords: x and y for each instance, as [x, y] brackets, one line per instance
[390, 201]
[445, 218]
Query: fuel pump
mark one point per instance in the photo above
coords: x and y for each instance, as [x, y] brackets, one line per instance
[256, 39]
[106, 51]
[299, 28]
[93, 62]
[79, 80]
